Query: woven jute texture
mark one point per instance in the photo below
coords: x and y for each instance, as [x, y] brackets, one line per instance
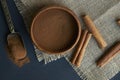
[103, 12]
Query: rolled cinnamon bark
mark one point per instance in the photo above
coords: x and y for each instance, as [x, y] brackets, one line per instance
[88, 21]
[83, 49]
[118, 21]
[109, 55]
[80, 44]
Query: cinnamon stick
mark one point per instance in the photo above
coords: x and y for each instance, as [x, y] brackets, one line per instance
[109, 55]
[81, 41]
[81, 53]
[88, 21]
[118, 21]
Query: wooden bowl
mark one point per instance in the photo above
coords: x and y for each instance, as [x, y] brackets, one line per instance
[55, 30]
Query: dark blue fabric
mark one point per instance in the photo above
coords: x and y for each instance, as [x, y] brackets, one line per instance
[57, 70]
[117, 77]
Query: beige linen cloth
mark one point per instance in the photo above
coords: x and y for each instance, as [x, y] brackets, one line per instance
[103, 12]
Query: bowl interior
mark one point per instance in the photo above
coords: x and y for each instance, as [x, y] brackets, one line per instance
[54, 30]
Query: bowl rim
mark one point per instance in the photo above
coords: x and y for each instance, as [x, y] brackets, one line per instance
[59, 8]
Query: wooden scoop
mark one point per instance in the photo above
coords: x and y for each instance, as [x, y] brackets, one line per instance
[15, 44]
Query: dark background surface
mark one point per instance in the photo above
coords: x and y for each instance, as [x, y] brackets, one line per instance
[57, 70]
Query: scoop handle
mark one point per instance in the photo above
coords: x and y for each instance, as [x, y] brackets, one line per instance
[7, 15]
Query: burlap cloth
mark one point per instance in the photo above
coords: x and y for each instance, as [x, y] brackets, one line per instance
[103, 12]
